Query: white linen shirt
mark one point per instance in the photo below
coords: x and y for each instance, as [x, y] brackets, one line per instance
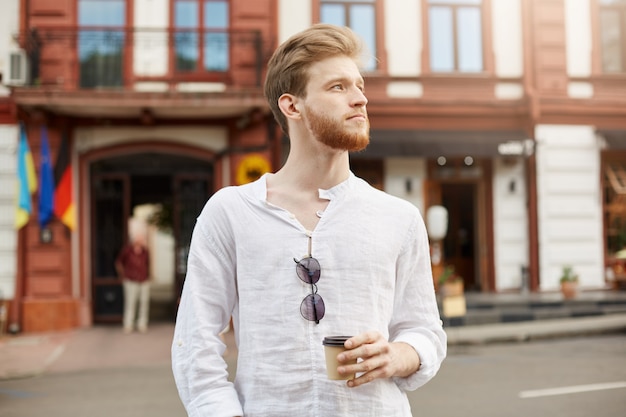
[375, 275]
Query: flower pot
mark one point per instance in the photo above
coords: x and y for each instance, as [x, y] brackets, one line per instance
[569, 289]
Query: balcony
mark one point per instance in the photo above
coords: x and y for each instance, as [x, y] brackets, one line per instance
[130, 72]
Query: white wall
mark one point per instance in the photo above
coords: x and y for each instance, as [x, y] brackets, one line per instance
[510, 222]
[508, 50]
[569, 204]
[293, 16]
[151, 48]
[578, 47]
[9, 26]
[578, 38]
[9, 21]
[398, 171]
[403, 37]
[8, 188]
[212, 138]
[506, 21]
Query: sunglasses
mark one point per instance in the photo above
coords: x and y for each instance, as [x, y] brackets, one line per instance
[312, 307]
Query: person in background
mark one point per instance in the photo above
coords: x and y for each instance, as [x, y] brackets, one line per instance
[308, 252]
[133, 266]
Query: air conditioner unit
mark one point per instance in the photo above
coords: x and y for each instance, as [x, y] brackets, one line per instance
[18, 68]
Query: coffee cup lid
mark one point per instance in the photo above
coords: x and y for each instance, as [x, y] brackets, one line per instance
[335, 340]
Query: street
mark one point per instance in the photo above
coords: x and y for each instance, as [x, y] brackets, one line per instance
[503, 380]
[487, 380]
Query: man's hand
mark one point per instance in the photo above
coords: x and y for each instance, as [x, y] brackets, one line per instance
[379, 358]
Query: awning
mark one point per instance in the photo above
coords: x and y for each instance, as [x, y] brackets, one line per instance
[432, 144]
[615, 139]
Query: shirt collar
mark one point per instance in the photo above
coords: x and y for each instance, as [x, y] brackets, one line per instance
[338, 190]
[259, 188]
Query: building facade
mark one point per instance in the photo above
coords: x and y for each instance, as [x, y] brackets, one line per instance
[509, 113]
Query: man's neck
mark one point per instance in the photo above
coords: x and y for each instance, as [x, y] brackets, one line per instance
[312, 165]
[313, 174]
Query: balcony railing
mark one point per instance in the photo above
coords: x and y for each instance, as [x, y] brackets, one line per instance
[132, 58]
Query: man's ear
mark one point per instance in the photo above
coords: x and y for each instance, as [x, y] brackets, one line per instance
[288, 104]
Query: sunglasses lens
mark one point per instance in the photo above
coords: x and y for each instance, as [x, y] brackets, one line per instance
[308, 270]
[312, 307]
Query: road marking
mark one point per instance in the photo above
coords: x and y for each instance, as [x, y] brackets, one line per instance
[56, 353]
[17, 394]
[571, 390]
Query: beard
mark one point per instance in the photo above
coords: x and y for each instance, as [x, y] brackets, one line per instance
[332, 133]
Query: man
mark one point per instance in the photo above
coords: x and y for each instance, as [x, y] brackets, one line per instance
[361, 267]
[133, 266]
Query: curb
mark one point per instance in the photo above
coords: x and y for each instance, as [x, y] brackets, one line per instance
[532, 330]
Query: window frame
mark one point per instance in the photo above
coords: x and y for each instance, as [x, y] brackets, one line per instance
[609, 198]
[127, 48]
[486, 35]
[379, 40]
[598, 67]
[200, 73]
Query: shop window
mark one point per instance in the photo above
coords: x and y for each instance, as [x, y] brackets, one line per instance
[615, 205]
[201, 39]
[614, 181]
[613, 35]
[455, 36]
[360, 16]
[101, 42]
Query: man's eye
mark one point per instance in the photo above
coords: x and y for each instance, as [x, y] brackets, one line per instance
[337, 87]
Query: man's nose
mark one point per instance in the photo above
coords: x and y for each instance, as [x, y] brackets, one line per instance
[359, 98]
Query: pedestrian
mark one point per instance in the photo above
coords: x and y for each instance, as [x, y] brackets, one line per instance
[308, 252]
[133, 267]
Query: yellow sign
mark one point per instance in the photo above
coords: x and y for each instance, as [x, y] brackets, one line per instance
[251, 168]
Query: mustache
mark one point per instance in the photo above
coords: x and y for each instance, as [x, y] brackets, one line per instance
[357, 114]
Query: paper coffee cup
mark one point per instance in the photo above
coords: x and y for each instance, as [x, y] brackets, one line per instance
[333, 346]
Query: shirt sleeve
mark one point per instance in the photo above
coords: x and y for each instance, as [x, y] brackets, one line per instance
[416, 318]
[206, 305]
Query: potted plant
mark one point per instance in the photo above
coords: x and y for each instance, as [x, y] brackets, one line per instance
[569, 282]
[450, 283]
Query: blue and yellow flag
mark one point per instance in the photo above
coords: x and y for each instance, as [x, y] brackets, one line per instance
[26, 180]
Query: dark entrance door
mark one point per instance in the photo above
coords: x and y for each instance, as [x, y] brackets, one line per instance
[110, 211]
[180, 184]
[190, 194]
[460, 242]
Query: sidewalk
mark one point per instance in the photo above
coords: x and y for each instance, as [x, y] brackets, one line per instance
[97, 347]
[103, 346]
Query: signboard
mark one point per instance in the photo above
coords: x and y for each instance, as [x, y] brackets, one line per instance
[251, 168]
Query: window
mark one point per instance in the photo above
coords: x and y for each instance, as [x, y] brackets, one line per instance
[613, 35]
[615, 204]
[100, 51]
[455, 35]
[201, 39]
[360, 16]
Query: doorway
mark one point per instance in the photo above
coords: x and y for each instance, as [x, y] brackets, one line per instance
[460, 241]
[463, 187]
[176, 188]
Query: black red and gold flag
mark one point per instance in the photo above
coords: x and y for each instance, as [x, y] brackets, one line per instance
[64, 197]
